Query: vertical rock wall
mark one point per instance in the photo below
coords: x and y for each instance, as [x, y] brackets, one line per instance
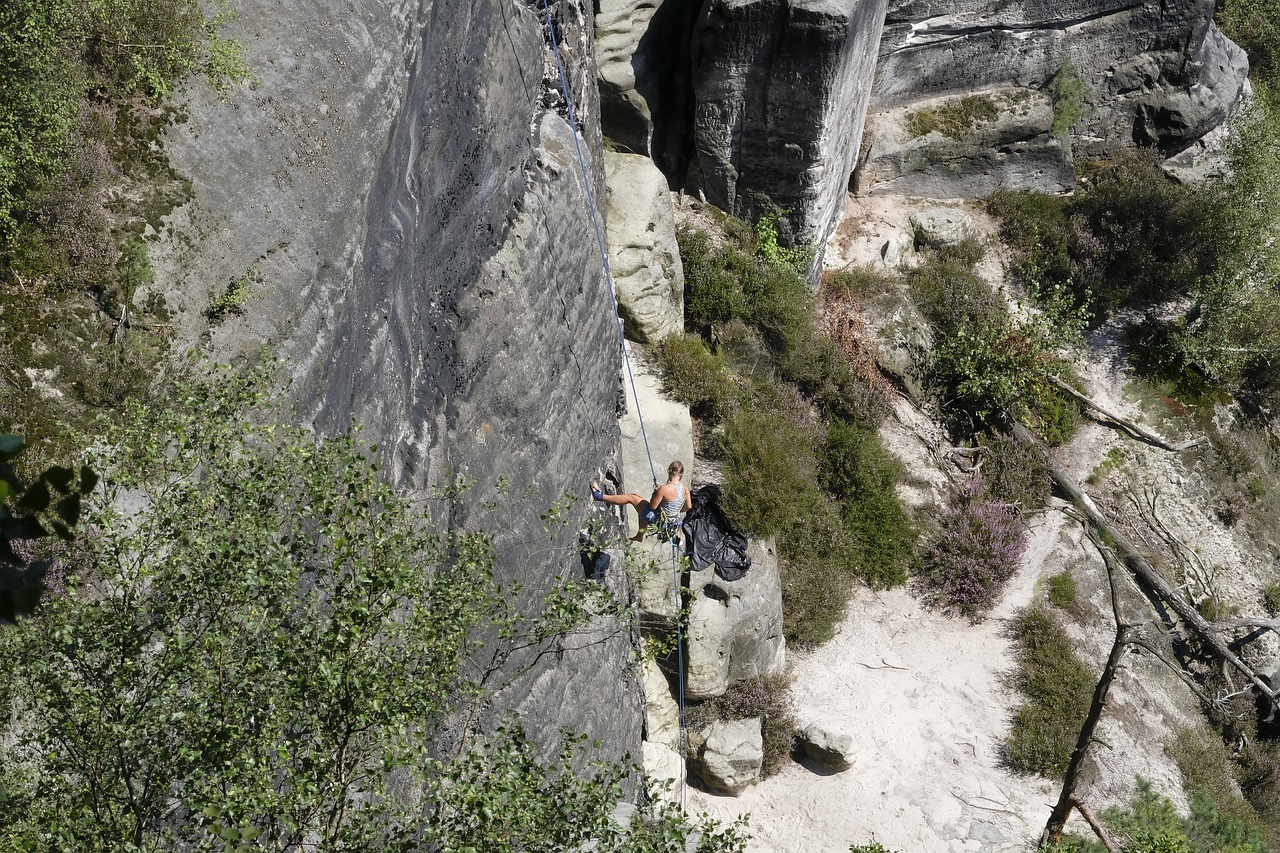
[781, 90]
[402, 179]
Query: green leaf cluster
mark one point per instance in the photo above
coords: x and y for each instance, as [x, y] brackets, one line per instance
[262, 640]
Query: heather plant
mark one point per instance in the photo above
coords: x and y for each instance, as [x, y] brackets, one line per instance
[976, 551]
[767, 697]
[693, 375]
[1014, 474]
[1062, 590]
[1056, 690]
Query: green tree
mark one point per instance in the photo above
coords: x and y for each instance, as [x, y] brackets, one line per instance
[261, 641]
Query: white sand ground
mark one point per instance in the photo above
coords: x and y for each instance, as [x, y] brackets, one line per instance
[923, 694]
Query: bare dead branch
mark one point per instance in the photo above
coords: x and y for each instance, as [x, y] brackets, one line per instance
[1138, 565]
[1128, 426]
[1094, 824]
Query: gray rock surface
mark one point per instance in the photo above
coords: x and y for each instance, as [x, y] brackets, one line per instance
[643, 255]
[404, 182]
[781, 90]
[642, 50]
[903, 339]
[942, 226]
[731, 756]
[831, 749]
[1153, 71]
[735, 627]
[1013, 148]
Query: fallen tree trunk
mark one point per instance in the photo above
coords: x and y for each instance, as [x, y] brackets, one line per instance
[1125, 424]
[1137, 564]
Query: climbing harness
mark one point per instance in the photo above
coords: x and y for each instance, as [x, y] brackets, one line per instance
[665, 528]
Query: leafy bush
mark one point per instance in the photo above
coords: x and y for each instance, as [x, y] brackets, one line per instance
[1153, 825]
[985, 364]
[692, 375]
[263, 642]
[767, 697]
[1015, 474]
[1062, 590]
[1056, 688]
[976, 551]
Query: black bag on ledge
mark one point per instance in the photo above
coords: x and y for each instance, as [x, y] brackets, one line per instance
[710, 540]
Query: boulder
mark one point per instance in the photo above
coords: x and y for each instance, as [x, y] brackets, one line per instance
[662, 764]
[903, 339]
[942, 226]
[735, 627]
[643, 255]
[830, 749]
[731, 756]
[662, 715]
[986, 140]
[781, 90]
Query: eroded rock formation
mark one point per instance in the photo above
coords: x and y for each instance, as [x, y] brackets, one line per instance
[1153, 72]
[404, 181]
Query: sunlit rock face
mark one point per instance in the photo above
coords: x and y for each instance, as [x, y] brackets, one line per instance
[403, 179]
[1155, 72]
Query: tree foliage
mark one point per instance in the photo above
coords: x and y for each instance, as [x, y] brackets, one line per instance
[259, 644]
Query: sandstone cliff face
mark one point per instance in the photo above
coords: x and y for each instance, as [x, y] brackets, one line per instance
[781, 91]
[403, 182]
[1154, 71]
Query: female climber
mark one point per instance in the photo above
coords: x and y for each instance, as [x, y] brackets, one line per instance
[664, 508]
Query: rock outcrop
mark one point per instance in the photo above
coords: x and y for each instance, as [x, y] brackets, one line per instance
[1003, 138]
[781, 90]
[404, 179]
[642, 49]
[735, 627]
[643, 255]
[1153, 72]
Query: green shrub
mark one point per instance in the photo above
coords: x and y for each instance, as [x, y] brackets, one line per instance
[820, 562]
[1056, 688]
[952, 118]
[1152, 824]
[799, 390]
[1217, 807]
[1015, 474]
[863, 476]
[1067, 91]
[1062, 590]
[872, 846]
[1255, 26]
[1271, 598]
[712, 292]
[769, 465]
[767, 697]
[693, 375]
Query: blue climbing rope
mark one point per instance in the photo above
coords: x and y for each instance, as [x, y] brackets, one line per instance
[595, 224]
[626, 357]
